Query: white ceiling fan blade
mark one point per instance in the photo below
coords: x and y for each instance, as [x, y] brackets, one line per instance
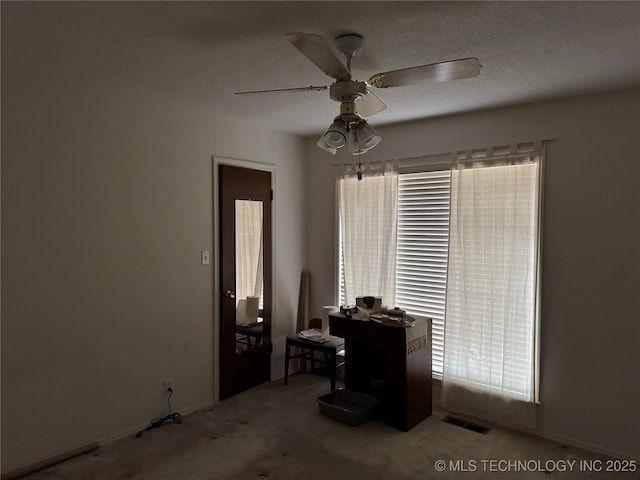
[369, 105]
[435, 72]
[295, 89]
[316, 49]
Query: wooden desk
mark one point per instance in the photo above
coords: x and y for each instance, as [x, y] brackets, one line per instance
[377, 364]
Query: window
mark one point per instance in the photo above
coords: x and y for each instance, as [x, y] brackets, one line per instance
[421, 255]
[423, 251]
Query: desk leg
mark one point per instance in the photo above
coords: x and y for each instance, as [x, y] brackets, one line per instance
[286, 363]
[332, 366]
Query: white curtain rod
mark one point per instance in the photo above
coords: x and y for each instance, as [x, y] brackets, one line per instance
[446, 157]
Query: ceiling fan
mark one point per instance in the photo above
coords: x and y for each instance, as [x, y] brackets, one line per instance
[355, 97]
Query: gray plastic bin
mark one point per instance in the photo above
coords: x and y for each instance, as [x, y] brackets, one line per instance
[345, 406]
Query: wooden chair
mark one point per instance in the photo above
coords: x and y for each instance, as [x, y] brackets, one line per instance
[330, 350]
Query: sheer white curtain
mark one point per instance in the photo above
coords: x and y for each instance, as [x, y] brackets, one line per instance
[491, 319]
[368, 225]
[248, 249]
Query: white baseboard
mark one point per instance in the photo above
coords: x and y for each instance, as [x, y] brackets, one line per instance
[586, 446]
[437, 393]
[47, 462]
[39, 465]
[132, 431]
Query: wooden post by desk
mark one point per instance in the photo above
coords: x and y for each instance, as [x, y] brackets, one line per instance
[377, 364]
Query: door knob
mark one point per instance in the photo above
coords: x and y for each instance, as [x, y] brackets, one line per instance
[230, 294]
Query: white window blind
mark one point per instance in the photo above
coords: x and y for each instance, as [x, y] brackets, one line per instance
[423, 241]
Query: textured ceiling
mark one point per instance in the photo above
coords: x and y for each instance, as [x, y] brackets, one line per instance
[205, 51]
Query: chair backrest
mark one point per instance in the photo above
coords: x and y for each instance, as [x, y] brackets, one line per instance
[247, 310]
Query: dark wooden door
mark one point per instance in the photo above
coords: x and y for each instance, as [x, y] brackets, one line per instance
[245, 349]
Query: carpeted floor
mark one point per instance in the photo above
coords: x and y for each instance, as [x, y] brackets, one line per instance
[277, 433]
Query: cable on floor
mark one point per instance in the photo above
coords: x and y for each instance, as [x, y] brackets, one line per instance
[156, 422]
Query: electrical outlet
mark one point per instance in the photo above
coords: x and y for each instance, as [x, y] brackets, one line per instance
[168, 384]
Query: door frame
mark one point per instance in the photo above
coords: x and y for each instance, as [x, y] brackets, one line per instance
[215, 294]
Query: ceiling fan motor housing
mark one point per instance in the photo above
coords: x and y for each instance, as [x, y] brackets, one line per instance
[347, 90]
[350, 45]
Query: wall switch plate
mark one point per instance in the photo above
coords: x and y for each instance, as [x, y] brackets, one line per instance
[205, 257]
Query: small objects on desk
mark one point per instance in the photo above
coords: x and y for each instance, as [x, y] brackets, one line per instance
[369, 303]
[326, 311]
[399, 321]
[348, 310]
[354, 313]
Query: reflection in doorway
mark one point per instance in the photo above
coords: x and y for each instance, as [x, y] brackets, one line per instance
[249, 274]
[245, 278]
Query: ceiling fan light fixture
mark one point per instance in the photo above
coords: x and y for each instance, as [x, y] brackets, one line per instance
[322, 143]
[336, 134]
[363, 137]
[334, 137]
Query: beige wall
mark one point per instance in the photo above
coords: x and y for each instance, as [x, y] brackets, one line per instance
[590, 312]
[107, 201]
[106, 204]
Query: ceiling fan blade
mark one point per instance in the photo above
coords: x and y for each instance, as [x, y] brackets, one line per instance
[369, 105]
[295, 89]
[435, 72]
[316, 49]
